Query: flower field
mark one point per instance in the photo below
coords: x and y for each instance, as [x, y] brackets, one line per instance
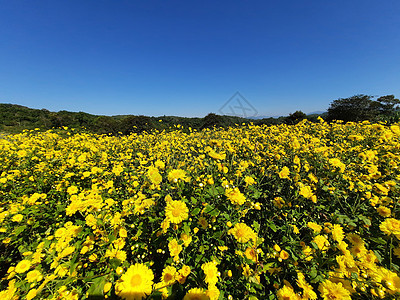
[309, 211]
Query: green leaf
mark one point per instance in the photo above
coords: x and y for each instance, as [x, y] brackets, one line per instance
[195, 211]
[273, 227]
[208, 209]
[19, 229]
[97, 287]
[194, 200]
[365, 220]
[256, 226]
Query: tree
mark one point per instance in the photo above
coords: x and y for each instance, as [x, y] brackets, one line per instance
[135, 124]
[355, 108]
[362, 107]
[295, 117]
[387, 104]
[212, 120]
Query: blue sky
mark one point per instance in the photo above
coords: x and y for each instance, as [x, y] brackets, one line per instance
[188, 58]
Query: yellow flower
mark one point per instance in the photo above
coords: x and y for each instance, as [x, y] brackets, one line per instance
[17, 218]
[212, 292]
[306, 192]
[136, 283]
[123, 233]
[174, 248]
[154, 175]
[295, 229]
[322, 242]
[235, 196]
[337, 233]
[107, 287]
[183, 273]
[168, 275]
[330, 290]
[314, 226]
[72, 190]
[31, 294]
[284, 173]
[34, 275]
[384, 211]
[196, 294]
[159, 164]
[308, 292]
[284, 255]
[23, 266]
[390, 279]
[287, 293]
[211, 271]
[187, 239]
[249, 180]
[176, 175]
[251, 254]
[391, 226]
[337, 163]
[66, 251]
[176, 211]
[242, 232]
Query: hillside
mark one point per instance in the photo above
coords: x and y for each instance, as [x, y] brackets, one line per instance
[15, 118]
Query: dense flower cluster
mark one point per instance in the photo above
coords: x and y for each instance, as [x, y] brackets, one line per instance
[309, 211]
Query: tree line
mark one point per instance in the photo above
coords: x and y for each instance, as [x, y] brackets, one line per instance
[15, 118]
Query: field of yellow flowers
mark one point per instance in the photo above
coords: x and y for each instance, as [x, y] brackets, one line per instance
[309, 211]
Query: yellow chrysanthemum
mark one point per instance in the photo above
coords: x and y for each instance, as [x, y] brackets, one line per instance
[34, 275]
[314, 226]
[287, 293]
[242, 232]
[196, 294]
[322, 242]
[176, 175]
[136, 283]
[174, 248]
[306, 192]
[154, 175]
[169, 275]
[213, 292]
[330, 291]
[284, 173]
[211, 271]
[176, 211]
[251, 254]
[384, 211]
[23, 266]
[308, 292]
[235, 196]
[391, 226]
[337, 233]
[186, 239]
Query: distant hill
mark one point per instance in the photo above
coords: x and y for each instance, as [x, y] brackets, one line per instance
[15, 118]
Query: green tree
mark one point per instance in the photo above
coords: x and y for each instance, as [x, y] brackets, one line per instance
[295, 117]
[387, 104]
[355, 108]
[362, 107]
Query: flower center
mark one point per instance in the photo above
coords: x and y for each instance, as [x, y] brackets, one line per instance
[240, 232]
[167, 277]
[136, 280]
[176, 212]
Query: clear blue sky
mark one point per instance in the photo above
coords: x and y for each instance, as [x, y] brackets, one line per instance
[187, 58]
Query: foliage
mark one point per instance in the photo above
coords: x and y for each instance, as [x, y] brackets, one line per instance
[295, 117]
[362, 107]
[249, 212]
[16, 118]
